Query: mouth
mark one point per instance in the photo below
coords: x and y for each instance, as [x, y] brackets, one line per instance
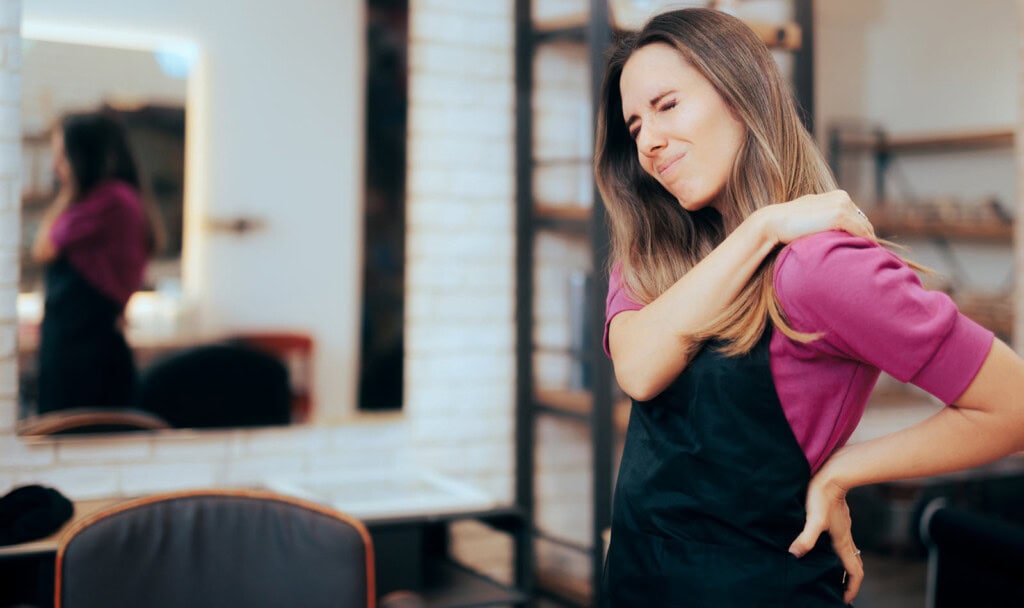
[665, 167]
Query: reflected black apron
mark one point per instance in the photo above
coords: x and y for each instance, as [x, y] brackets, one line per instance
[84, 360]
[710, 495]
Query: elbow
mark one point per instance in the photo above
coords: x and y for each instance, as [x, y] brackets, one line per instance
[638, 386]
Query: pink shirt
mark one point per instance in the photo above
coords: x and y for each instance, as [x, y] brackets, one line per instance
[876, 317]
[105, 238]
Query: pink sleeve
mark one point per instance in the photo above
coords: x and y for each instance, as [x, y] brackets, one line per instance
[618, 301]
[873, 308]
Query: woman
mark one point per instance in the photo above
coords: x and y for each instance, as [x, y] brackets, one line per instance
[95, 240]
[746, 387]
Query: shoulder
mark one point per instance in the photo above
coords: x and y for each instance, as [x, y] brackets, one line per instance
[619, 299]
[824, 278]
[825, 261]
[827, 247]
[112, 198]
[117, 191]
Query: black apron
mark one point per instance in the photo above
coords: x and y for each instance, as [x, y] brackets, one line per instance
[84, 360]
[710, 495]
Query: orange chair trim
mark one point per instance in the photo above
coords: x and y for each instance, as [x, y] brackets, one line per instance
[129, 504]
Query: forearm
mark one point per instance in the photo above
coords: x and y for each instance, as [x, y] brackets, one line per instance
[951, 440]
[43, 248]
[987, 426]
[650, 347]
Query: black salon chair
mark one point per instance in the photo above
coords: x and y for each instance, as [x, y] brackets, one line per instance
[973, 559]
[217, 386]
[216, 548]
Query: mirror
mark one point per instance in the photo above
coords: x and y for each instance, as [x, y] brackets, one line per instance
[144, 92]
[89, 360]
[274, 161]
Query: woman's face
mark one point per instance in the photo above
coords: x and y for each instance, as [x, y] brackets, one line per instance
[687, 138]
[59, 159]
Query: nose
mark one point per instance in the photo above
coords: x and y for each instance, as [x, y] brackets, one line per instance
[650, 140]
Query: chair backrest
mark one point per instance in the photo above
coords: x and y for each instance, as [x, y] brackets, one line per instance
[295, 350]
[216, 548]
[217, 386]
[973, 559]
[79, 420]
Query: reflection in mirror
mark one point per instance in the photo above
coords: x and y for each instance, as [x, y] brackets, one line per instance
[103, 136]
[102, 345]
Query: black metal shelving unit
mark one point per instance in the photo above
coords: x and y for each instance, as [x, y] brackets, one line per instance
[600, 407]
[593, 407]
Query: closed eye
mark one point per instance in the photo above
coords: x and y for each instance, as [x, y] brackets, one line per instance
[634, 132]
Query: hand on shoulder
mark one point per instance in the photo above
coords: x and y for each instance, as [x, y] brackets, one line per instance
[815, 213]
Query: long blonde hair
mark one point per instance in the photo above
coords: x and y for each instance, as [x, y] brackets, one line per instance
[653, 237]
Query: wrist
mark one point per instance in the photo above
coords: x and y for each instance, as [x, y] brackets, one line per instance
[764, 225]
[832, 475]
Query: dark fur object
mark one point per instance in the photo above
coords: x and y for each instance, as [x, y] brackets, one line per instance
[32, 512]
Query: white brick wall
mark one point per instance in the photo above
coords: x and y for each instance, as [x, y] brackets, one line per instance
[460, 366]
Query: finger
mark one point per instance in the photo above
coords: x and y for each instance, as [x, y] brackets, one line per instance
[858, 224]
[849, 555]
[807, 538]
[854, 567]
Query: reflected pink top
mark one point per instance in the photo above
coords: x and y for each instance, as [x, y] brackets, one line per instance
[105, 237]
[875, 315]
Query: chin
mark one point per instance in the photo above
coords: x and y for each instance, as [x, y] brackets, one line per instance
[693, 205]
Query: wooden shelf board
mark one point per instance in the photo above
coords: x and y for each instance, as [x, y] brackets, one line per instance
[578, 404]
[920, 142]
[565, 543]
[899, 224]
[573, 589]
[574, 401]
[992, 311]
[562, 213]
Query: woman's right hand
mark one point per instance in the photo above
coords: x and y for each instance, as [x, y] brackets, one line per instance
[813, 213]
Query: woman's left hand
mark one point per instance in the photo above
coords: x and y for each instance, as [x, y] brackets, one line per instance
[827, 511]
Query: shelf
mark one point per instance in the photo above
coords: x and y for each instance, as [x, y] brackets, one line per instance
[576, 591]
[992, 311]
[577, 405]
[561, 542]
[566, 403]
[564, 218]
[451, 585]
[937, 142]
[936, 221]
